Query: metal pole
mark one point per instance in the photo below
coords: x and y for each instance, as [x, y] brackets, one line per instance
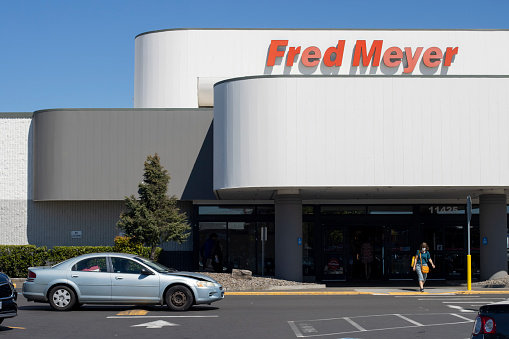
[469, 257]
[263, 236]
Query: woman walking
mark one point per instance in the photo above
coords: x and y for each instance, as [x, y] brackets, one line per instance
[421, 264]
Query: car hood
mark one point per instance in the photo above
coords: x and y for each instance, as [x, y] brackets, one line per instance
[197, 276]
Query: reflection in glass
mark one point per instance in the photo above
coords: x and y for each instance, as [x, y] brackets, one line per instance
[454, 264]
[333, 240]
[335, 209]
[242, 245]
[376, 209]
[454, 238]
[308, 258]
[401, 264]
[269, 268]
[225, 210]
[334, 264]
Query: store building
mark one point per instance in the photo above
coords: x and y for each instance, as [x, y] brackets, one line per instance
[327, 139]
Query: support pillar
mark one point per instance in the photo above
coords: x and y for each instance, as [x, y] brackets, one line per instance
[288, 253]
[493, 233]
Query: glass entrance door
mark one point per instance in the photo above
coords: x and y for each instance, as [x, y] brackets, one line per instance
[366, 253]
[399, 252]
[352, 252]
[333, 262]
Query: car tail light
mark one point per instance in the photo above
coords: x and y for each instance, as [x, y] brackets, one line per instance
[31, 276]
[484, 325]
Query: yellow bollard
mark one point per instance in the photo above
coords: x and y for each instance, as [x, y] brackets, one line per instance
[469, 272]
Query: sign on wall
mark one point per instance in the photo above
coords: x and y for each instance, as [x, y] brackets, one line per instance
[362, 55]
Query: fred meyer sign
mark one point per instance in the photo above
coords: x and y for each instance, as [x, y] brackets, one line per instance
[362, 55]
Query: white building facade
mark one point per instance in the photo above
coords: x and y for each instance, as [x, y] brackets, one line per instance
[327, 138]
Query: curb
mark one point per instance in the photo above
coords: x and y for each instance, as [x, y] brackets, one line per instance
[387, 293]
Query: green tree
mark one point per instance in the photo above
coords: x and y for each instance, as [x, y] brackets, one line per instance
[154, 218]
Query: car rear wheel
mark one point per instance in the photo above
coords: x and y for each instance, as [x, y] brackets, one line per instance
[179, 298]
[62, 298]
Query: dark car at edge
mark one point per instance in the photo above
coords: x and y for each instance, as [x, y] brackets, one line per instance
[492, 321]
[8, 297]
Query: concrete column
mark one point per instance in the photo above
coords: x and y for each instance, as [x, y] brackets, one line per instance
[493, 232]
[288, 209]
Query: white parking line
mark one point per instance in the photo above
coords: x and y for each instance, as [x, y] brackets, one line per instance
[302, 328]
[459, 308]
[409, 320]
[465, 302]
[462, 317]
[357, 326]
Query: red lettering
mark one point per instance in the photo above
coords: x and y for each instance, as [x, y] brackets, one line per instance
[274, 52]
[411, 61]
[290, 57]
[374, 53]
[449, 53]
[393, 53]
[309, 59]
[428, 57]
[327, 60]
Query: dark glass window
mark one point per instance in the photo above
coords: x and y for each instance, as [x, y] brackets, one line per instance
[390, 209]
[335, 209]
[454, 238]
[265, 209]
[308, 255]
[226, 210]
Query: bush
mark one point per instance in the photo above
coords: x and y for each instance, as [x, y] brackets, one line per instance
[16, 259]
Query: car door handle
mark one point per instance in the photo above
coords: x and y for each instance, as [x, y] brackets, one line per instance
[74, 275]
[119, 278]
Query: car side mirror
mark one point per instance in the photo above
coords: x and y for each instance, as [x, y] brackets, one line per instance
[145, 271]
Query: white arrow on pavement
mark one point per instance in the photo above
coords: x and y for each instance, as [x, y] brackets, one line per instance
[156, 324]
[461, 309]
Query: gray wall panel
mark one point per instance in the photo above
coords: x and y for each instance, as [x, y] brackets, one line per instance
[98, 154]
[95, 219]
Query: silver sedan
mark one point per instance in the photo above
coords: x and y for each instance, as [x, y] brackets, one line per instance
[118, 278]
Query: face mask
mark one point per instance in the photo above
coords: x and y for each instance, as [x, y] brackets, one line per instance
[424, 249]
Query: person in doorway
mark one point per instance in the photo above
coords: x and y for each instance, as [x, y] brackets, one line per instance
[367, 257]
[217, 257]
[206, 251]
[422, 258]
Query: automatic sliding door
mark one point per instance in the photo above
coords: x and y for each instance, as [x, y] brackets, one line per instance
[333, 254]
[400, 252]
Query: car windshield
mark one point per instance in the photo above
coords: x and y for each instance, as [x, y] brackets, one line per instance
[159, 268]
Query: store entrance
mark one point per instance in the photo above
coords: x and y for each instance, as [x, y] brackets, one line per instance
[353, 252]
[366, 253]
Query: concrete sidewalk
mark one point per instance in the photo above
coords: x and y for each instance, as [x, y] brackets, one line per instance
[375, 290]
[366, 288]
[379, 288]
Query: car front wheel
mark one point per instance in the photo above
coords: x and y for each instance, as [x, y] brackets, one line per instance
[179, 298]
[62, 298]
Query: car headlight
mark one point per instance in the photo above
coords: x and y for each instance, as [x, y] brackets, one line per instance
[205, 284]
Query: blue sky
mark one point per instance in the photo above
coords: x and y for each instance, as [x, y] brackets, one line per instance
[80, 53]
